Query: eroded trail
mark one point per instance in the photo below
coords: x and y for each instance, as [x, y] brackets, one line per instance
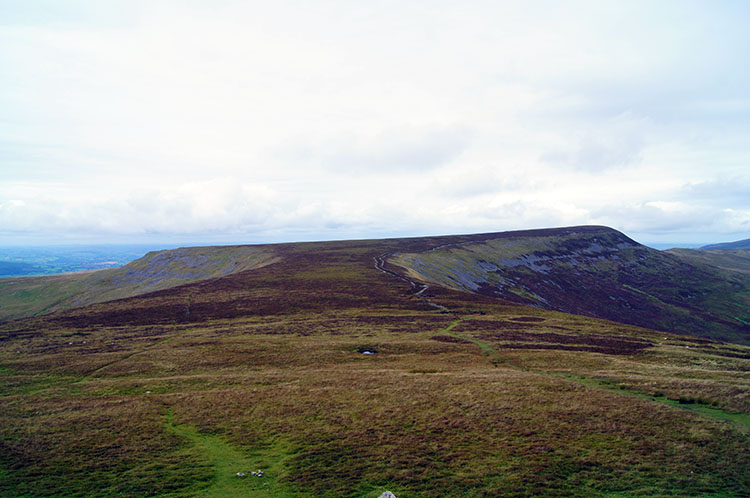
[417, 287]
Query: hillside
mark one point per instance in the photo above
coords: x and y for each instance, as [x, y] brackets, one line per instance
[729, 262]
[158, 270]
[17, 268]
[599, 272]
[740, 244]
[339, 377]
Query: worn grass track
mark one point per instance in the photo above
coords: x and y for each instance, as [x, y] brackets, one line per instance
[227, 461]
[740, 420]
[495, 357]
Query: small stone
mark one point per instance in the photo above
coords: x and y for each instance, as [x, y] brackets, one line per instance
[387, 494]
[241, 474]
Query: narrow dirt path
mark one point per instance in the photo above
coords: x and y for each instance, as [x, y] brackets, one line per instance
[417, 287]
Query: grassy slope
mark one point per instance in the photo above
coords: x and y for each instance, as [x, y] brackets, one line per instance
[21, 297]
[739, 244]
[730, 261]
[139, 398]
[599, 272]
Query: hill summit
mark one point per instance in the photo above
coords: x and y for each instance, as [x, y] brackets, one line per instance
[599, 272]
[586, 270]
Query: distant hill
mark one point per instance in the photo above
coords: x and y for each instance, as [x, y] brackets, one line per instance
[728, 262]
[17, 268]
[22, 261]
[589, 270]
[599, 272]
[158, 270]
[740, 244]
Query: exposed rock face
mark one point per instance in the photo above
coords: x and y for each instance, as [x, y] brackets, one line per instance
[599, 272]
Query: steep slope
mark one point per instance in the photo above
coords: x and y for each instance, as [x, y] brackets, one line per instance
[599, 272]
[158, 270]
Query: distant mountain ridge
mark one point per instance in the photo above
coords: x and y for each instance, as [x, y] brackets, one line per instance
[599, 272]
[739, 244]
[586, 270]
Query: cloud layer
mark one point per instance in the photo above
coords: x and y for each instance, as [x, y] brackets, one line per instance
[332, 119]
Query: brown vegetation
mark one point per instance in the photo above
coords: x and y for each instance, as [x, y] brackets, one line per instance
[272, 358]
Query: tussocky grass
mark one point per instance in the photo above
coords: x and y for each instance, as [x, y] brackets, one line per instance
[227, 461]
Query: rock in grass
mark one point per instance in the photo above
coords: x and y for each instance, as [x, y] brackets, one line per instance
[387, 494]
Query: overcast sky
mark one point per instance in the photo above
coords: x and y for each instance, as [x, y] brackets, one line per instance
[304, 120]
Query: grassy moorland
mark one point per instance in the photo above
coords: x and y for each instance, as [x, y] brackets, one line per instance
[172, 393]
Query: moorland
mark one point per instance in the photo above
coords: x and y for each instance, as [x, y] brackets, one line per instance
[351, 368]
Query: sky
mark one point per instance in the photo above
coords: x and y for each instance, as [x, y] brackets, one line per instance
[250, 121]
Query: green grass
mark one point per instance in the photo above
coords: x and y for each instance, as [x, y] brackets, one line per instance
[495, 358]
[227, 460]
[697, 405]
[742, 420]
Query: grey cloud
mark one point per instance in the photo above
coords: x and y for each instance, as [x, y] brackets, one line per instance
[407, 149]
[617, 143]
[189, 208]
[472, 182]
[594, 156]
[654, 219]
[730, 192]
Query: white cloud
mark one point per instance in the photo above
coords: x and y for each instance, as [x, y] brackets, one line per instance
[336, 118]
[406, 148]
[733, 191]
[678, 218]
[614, 143]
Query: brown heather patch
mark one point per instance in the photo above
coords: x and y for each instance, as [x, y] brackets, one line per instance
[527, 319]
[582, 342]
